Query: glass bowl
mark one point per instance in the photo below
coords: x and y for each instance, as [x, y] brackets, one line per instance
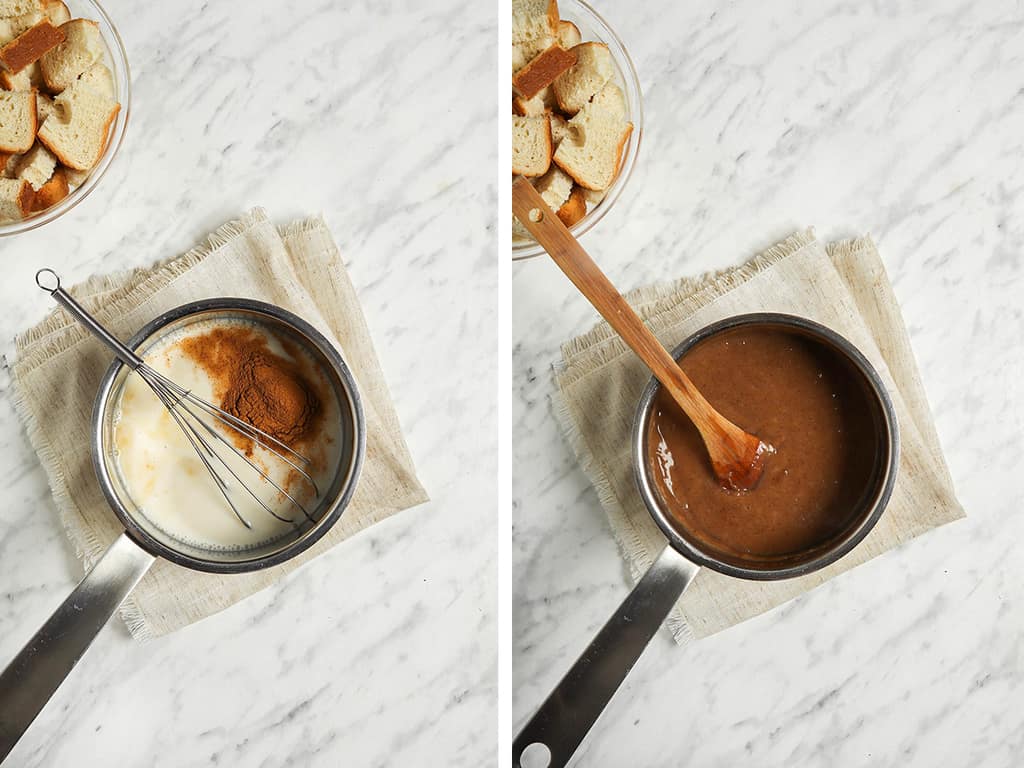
[117, 63]
[593, 27]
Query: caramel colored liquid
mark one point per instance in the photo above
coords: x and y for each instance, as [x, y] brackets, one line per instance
[805, 400]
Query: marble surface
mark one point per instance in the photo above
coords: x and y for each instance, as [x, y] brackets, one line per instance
[905, 121]
[382, 652]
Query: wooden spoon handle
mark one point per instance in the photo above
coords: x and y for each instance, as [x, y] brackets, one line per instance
[530, 208]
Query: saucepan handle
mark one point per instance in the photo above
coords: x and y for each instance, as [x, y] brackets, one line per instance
[578, 700]
[41, 666]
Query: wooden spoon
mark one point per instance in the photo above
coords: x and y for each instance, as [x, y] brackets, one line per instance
[737, 457]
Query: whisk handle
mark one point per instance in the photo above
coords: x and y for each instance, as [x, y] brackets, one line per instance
[48, 280]
[40, 667]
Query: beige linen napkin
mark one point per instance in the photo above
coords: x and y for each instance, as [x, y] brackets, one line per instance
[843, 286]
[57, 366]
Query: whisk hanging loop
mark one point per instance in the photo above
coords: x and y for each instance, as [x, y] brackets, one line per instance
[190, 412]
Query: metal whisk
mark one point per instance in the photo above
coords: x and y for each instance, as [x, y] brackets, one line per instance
[190, 413]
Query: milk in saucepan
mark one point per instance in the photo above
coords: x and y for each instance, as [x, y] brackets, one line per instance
[170, 484]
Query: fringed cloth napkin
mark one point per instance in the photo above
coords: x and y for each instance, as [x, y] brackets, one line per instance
[841, 285]
[57, 366]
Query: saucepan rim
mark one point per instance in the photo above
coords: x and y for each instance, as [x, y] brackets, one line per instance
[337, 505]
[882, 490]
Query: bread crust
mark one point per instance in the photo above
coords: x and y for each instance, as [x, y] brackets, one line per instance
[64, 159]
[573, 209]
[550, 23]
[52, 192]
[553, 18]
[578, 177]
[25, 198]
[621, 152]
[525, 107]
[56, 11]
[542, 71]
[568, 34]
[34, 117]
[30, 45]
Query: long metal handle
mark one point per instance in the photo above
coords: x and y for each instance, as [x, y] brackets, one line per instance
[578, 700]
[49, 281]
[41, 666]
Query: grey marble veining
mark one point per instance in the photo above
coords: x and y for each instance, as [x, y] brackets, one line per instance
[905, 121]
[382, 652]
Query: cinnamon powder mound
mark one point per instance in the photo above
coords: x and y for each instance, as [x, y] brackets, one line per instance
[255, 385]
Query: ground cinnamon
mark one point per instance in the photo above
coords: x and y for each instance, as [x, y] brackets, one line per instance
[256, 385]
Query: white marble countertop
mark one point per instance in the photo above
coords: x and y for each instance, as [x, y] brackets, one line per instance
[382, 652]
[760, 118]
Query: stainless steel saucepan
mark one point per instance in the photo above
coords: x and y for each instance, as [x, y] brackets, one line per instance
[37, 671]
[553, 734]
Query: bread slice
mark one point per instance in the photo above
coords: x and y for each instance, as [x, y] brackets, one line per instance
[10, 162]
[592, 152]
[528, 107]
[30, 45]
[11, 27]
[540, 104]
[75, 177]
[15, 199]
[576, 86]
[523, 53]
[52, 192]
[30, 77]
[531, 145]
[555, 186]
[44, 107]
[36, 166]
[559, 128]
[77, 132]
[82, 47]
[611, 101]
[542, 71]
[568, 34]
[532, 19]
[56, 12]
[534, 28]
[17, 121]
[573, 209]
[612, 98]
[98, 78]
[22, 7]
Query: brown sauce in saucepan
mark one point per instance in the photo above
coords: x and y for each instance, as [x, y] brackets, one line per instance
[810, 404]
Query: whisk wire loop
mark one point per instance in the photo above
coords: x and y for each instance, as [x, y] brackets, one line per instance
[188, 411]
